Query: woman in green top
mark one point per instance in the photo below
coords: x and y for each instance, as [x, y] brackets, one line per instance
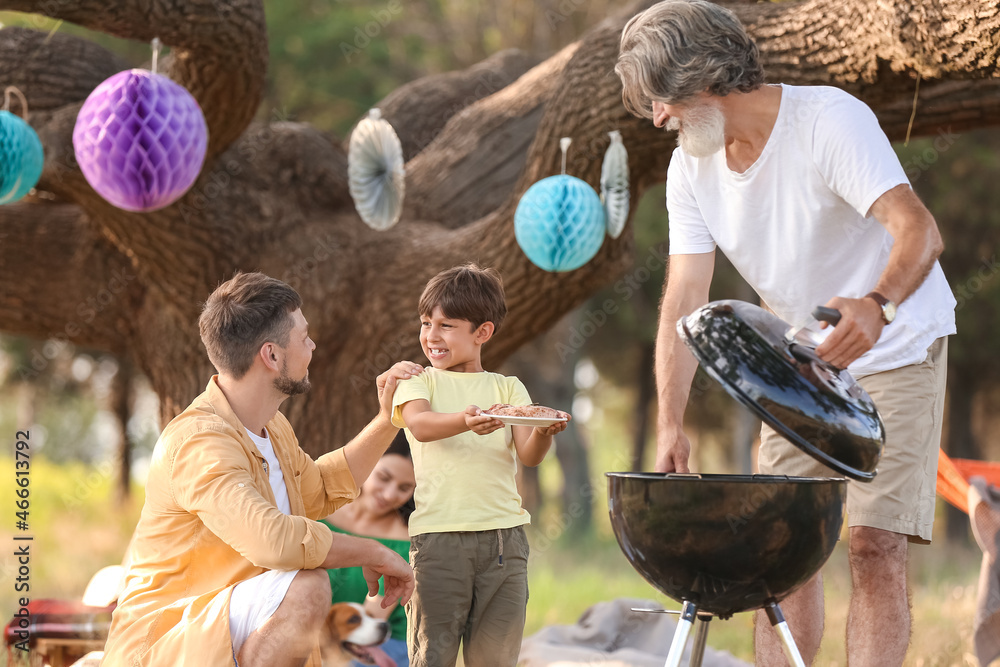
[380, 512]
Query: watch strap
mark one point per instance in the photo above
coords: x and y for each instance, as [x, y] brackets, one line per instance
[882, 302]
[879, 299]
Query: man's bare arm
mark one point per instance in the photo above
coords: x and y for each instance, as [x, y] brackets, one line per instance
[917, 245]
[375, 560]
[686, 289]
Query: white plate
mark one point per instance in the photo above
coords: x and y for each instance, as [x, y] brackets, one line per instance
[526, 421]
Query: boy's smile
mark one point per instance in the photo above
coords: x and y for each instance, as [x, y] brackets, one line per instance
[451, 344]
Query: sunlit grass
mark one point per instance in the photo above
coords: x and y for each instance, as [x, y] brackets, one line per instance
[570, 577]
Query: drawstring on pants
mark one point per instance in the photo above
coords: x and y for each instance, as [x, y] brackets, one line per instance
[500, 546]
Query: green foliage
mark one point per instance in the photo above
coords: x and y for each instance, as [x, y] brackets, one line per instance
[955, 176]
[331, 61]
[63, 393]
[39, 387]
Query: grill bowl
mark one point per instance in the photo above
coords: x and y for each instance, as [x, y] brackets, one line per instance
[727, 543]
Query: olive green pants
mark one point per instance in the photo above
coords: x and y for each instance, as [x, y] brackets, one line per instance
[466, 592]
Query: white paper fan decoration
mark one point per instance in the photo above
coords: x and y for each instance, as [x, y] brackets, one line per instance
[614, 185]
[376, 177]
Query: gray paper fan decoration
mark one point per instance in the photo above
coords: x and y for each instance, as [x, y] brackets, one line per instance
[614, 185]
[376, 177]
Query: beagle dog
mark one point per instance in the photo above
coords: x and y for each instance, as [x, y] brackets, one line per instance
[351, 634]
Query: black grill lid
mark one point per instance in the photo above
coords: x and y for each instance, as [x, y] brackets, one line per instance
[818, 407]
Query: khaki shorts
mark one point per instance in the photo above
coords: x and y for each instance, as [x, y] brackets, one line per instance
[463, 593]
[901, 498]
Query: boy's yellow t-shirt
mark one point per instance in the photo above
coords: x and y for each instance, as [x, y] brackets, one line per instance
[465, 482]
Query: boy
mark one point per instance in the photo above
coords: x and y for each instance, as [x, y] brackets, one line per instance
[467, 543]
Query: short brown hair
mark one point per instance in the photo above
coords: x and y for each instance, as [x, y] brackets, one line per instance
[242, 314]
[466, 292]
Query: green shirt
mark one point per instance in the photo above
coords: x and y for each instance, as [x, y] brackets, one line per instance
[348, 584]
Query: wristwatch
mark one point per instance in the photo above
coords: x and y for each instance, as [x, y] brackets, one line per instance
[888, 307]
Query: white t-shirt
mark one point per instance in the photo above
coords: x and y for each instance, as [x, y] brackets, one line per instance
[795, 223]
[274, 475]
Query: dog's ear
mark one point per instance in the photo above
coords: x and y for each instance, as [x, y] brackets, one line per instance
[343, 617]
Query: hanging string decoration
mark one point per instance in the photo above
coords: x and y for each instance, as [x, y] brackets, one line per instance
[21, 156]
[559, 222]
[376, 177]
[140, 139]
[614, 185]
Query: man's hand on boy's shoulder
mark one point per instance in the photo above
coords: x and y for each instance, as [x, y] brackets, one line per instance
[402, 370]
[479, 424]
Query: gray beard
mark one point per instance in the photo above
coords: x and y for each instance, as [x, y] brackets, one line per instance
[703, 132]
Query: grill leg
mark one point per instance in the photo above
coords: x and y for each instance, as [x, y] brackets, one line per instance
[700, 637]
[781, 627]
[688, 614]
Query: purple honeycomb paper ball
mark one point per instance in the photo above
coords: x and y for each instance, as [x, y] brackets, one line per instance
[140, 140]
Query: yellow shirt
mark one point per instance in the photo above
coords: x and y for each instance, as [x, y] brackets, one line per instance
[465, 482]
[210, 522]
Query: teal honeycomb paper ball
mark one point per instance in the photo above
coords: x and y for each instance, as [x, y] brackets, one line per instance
[559, 223]
[21, 158]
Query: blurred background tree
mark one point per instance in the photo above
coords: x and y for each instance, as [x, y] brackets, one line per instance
[331, 60]
[955, 175]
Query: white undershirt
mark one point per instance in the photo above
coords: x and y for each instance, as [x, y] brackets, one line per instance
[274, 475]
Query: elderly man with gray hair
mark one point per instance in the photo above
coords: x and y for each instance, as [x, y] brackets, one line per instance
[801, 190]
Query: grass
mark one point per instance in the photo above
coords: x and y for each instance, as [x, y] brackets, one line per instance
[570, 577]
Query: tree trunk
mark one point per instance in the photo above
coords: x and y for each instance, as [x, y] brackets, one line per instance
[646, 381]
[961, 443]
[273, 196]
[121, 400]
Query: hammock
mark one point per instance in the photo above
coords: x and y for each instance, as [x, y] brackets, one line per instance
[953, 476]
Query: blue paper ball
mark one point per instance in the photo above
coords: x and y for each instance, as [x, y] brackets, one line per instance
[559, 223]
[21, 158]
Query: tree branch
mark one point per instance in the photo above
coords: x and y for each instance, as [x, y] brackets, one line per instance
[418, 110]
[98, 293]
[473, 163]
[219, 49]
[53, 71]
[846, 43]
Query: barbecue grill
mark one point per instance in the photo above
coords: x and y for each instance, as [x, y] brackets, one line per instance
[725, 544]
